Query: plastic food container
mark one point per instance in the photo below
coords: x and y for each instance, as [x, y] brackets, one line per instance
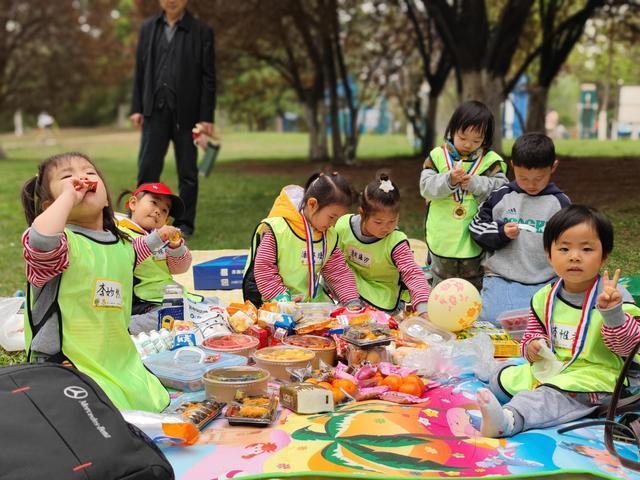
[277, 359]
[515, 322]
[357, 356]
[183, 369]
[222, 383]
[324, 348]
[235, 343]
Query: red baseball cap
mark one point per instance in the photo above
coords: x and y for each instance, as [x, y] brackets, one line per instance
[177, 205]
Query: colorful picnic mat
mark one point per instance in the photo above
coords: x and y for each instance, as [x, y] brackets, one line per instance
[376, 439]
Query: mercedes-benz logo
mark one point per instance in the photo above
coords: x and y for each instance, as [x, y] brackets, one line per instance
[77, 393]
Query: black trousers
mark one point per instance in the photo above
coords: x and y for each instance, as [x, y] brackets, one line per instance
[157, 131]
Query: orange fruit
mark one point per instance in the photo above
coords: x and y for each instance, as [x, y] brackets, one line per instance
[345, 384]
[312, 380]
[411, 389]
[413, 378]
[338, 396]
[393, 382]
[326, 385]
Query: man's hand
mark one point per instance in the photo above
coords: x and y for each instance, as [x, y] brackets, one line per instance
[137, 119]
[206, 127]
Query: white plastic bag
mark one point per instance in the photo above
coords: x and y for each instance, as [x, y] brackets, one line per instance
[548, 367]
[12, 323]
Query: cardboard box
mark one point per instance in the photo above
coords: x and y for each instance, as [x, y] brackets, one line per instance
[224, 273]
[505, 345]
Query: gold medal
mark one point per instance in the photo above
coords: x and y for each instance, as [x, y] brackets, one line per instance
[459, 212]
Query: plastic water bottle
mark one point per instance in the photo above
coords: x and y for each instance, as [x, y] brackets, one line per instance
[146, 344]
[167, 338]
[157, 341]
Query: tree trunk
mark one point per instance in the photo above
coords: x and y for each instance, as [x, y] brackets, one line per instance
[486, 88]
[537, 109]
[316, 153]
[430, 125]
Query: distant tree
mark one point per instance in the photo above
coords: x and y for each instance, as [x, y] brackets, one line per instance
[561, 27]
[436, 64]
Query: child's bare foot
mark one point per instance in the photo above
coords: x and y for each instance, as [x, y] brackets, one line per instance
[495, 419]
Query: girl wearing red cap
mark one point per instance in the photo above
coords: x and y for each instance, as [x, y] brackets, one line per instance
[150, 206]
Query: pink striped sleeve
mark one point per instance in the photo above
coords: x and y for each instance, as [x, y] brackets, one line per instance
[141, 248]
[621, 339]
[42, 266]
[178, 263]
[534, 331]
[340, 277]
[265, 268]
[411, 274]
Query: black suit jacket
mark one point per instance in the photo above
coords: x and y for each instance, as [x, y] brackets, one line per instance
[195, 71]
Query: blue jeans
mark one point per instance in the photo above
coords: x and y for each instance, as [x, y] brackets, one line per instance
[500, 295]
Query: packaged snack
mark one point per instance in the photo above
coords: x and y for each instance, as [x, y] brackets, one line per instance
[164, 429]
[306, 398]
[200, 413]
[367, 335]
[515, 322]
[240, 321]
[223, 383]
[246, 307]
[262, 334]
[168, 315]
[273, 320]
[258, 411]
[358, 356]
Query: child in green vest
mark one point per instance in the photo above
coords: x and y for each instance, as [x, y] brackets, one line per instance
[378, 254]
[455, 179]
[80, 272]
[150, 207]
[296, 244]
[579, 330]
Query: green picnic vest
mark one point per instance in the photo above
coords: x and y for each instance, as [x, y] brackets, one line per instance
[94, 301]
[377, 276]
[446, 235]
[152, 275]
[292, 258]
[595, 370]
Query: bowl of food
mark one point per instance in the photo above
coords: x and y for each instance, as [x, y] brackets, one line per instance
[235, 343]
[223, 383]
[277, 359]
[324, 348]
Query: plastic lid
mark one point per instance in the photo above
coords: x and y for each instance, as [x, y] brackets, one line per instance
[416, 328]
[312, 342]
[232, 375]
[284, 354]
[231, 342]
[189, 363]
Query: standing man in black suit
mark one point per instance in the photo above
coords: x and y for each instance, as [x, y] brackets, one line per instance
[173, 90]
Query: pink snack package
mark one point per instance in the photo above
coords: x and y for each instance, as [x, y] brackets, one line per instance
[370, 393]
[399, 397]
[387, 368]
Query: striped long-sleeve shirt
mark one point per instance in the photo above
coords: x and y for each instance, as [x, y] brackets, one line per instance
[620, 339]
[42, 265]
[270, 284]
[412, 276]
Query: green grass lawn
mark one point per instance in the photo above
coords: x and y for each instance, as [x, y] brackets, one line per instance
[231, 200]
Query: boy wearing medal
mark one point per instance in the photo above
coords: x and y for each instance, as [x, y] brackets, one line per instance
[580, 327]
[456, 178]
[509, 227]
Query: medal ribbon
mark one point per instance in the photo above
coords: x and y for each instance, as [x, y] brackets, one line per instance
[585, 318]
[314, 280]
[459, 193]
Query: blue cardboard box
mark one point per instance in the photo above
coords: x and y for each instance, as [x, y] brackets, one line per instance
[224, 273]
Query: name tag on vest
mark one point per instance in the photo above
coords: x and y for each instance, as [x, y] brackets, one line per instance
[563, 335]
[317, 257]
[360, 258]
[107, 294]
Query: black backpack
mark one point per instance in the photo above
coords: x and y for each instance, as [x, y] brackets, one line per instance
[56, 423]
